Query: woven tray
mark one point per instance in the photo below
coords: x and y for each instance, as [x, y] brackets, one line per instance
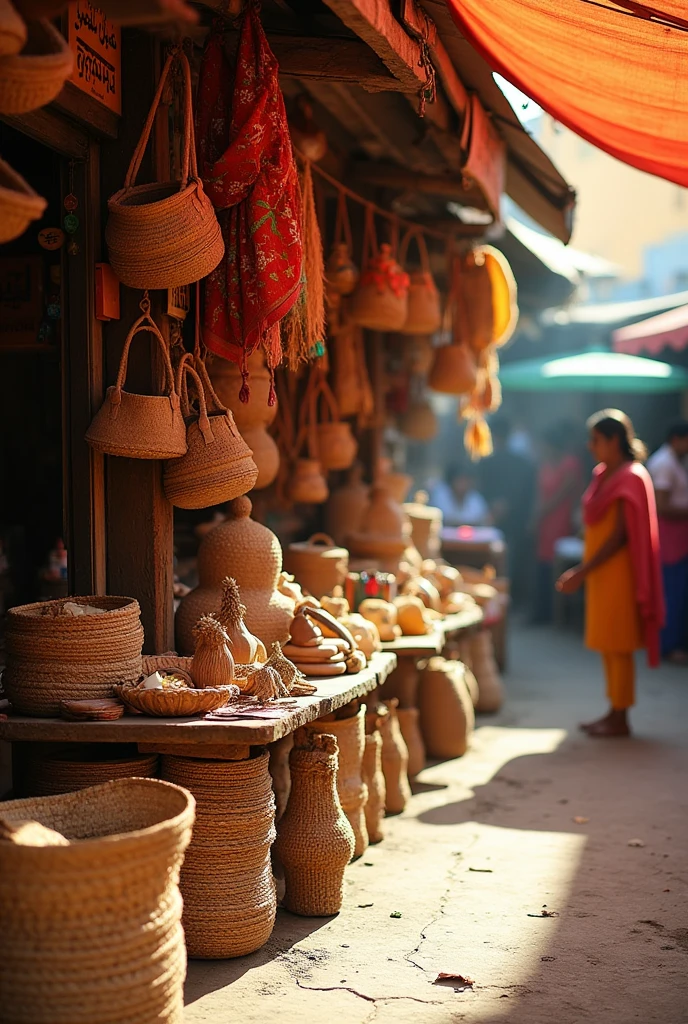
[175, 703]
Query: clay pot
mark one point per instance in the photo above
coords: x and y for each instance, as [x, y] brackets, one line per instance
[346, 506]
[384, 531]
[337, 445]
[375, 781]
[380, 302]
[484, 666]
[410, 615]
[364, 632]
[350, 736]
[251, 554]
[419, 423]
[410, 730]
[383, 614]
[318, 564]
[446, 709]
[315, 841]
[265, 455]
[426, 525]
[394, 761]
[227, 382]
[308, 485]
[454, 370]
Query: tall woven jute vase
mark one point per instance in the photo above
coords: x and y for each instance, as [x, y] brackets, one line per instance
[394, 761]
[90, 931]
[315, 841]
[410, 729]
[350, 736]
[375, 781]
[229, 894]
[53, 657]
[446, 708]
[490, 686]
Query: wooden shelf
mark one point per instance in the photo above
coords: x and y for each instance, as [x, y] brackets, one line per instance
[432, 643]
[291, 713]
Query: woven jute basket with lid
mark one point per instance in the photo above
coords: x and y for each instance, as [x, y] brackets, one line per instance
[53, 657]
[164, 234]
[229, 892]
[90, 932]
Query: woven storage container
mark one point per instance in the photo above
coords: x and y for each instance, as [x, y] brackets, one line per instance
[394, 761]
[227, 884]
[228, 382]
[380, 300]
[164, 234]
[426, 525]
[19, 204]
[410, 729]
[419, 423]
[350, 736]
[81, 765]
[12, 30]
[53, 657]
[34, 77]
[318, 564]
[315, 841]
[217, 465]
[424, 314]
[90, 932]
[454, 370]
[486, 672]
[336, 444]
[446, 709]
[371, 768]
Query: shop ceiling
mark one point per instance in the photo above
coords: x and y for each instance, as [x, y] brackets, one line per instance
[363, 64]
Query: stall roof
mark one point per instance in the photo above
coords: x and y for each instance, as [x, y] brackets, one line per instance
[614, 312]
[559, 258]
[594, 371]
[667, 330]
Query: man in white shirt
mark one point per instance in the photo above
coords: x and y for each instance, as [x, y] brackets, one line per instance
[461, 503]
[669, 474]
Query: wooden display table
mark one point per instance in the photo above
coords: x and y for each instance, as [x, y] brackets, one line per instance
[476, 547]
[432, 643]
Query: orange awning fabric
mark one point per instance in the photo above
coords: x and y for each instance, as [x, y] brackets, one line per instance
[604, 69]
[667, 330]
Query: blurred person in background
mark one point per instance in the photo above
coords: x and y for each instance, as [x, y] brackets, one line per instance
[669, 474]
[559, 487]
[506, 480]
[461, 503]
[621, 568]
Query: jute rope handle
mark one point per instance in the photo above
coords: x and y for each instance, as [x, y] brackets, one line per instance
[144, 323]
[306, 433]
[419, 239]
[321, 538]
[183, 370]
[188, 146]
[342, 224]
[325, 392]
[369, 236]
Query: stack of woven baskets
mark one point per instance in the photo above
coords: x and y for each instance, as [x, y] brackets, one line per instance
[229, 893]
[81, 765]
[53, 656]
[90, 910]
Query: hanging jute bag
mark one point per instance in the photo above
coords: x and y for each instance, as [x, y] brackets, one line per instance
[341, 273]
[34, 77]
[90, 909]
[217, 466]
[164, 234]
[380, 301]
[424, 313]
[19, 204]
[307, 484]
[140, 426]
[349, 374]
[337, 446]
[12, 30]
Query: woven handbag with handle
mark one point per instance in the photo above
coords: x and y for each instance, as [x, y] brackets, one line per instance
[164, 234]
[217, 465]
[140, 426]
[424, 314]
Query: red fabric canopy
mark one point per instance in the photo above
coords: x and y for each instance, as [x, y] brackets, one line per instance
[601, 68]
[667, 330]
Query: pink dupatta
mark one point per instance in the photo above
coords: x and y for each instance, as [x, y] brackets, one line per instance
[632, 485]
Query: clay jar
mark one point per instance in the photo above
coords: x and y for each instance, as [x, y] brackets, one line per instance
[394, 761]
[426, 525]
[384, 531]
[446, 709]
[454, 370]
[410, 730]
[490, 686]
[252, 555]
[308, 485]
[318, 564]
[253, 417]
[315, 841]
[337, 445]
[371, 770]
[350, 736]
[346, 506]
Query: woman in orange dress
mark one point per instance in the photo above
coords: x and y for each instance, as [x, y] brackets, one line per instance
[621, 568]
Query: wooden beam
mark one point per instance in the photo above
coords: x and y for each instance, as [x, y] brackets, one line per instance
[333, 59]
[422, 27]
[374, 23]
[390, 176]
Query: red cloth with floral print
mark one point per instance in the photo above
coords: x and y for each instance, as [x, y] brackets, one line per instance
[247, 165]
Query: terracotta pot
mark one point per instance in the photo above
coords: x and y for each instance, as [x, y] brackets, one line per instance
[446, 709]
[394, 761]
[337, 445]
[227, 382]
[419, 423]
[410, 730]
[308, 485]
[318, 564]
[454, 371]
[426, 526]
[345, 507]
[350, 736]
[375, 781]
[484, 666]
[266, 455]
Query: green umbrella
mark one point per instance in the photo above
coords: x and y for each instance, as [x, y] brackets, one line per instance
[596, 370]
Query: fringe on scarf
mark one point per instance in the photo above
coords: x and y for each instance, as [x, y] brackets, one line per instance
[303, 329]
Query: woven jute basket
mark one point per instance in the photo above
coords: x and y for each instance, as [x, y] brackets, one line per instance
[175, 703]
[82, 765]
[394, 761]
[217, 465]
[374, 779]
[34, 77]
[53, 657]
[337, 446]
[454, 370]
[424, 314]
[12, 30]
[446, 709]
[380, 301]
[317, 563]
[229, 892]
[19, 204]
[90, 932]
[315, 841]
[164, 235]
[140, 426]
[353, 793]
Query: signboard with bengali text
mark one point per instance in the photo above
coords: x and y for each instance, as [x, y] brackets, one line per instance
[95, 42]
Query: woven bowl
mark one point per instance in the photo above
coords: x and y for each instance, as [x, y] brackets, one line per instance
[34, 77]
[181, 703]
[19, 204]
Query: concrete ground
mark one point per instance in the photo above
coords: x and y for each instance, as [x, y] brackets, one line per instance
[535, 817]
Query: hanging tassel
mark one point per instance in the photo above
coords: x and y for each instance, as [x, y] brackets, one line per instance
[478, 438]
[304, 327]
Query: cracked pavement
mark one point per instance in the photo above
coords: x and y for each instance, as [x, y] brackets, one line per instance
[487, 844]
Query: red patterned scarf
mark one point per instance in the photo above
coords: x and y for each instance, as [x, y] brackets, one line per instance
[247, 165]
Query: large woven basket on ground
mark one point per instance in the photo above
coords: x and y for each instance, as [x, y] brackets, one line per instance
[90, 932]
[164, 234]
[353, 793]
[19, 204]
[34, 77]
[229, 892]
[81, 765]
[53, 657]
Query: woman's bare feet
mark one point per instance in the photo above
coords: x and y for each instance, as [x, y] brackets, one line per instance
[614, 723]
